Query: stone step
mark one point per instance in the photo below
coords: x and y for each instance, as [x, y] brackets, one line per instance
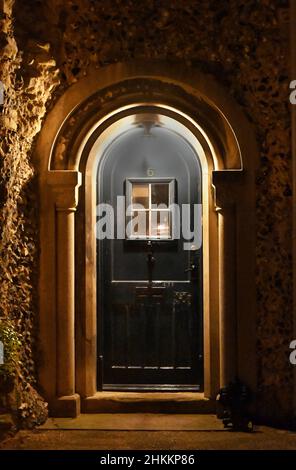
[148, 402]
[136, 422]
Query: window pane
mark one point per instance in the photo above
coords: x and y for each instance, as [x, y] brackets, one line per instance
[160, 193]
[139, 224]
[161, 224]
[140, 194]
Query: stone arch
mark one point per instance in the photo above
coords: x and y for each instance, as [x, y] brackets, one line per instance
[79, 123]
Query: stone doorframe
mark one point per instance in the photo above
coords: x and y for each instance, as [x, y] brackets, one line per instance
[70, 143]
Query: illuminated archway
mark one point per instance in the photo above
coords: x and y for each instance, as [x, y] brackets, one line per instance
[73, 137]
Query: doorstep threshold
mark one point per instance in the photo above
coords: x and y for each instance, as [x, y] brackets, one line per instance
[136, 422]
[149, 402]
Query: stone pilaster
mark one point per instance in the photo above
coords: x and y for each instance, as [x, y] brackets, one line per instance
[225, 201]
[65, 186]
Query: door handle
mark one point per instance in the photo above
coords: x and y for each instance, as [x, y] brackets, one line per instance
[191, 268]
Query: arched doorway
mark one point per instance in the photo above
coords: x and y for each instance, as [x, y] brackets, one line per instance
[150, 307]
[76, 134]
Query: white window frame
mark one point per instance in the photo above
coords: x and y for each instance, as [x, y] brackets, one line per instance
[172, 199]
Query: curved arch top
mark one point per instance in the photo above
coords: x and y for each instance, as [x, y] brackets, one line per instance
[74, 134]
[105, 95]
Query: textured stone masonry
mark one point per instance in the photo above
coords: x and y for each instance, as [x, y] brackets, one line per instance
[45, 46]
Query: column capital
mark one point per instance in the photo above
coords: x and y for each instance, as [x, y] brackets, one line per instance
[65, 184]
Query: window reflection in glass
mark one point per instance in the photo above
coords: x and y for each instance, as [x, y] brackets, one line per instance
[160, 224]
[140, 224]
[140, 194]
[151, 215]
[160, 194]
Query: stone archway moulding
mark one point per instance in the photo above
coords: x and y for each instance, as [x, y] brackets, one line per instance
[66, 155]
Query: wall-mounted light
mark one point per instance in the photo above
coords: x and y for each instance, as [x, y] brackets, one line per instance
[147, 121]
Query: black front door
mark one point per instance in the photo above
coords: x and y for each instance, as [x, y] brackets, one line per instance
[149, 266]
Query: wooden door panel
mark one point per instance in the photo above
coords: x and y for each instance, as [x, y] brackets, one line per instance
[151, 338]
